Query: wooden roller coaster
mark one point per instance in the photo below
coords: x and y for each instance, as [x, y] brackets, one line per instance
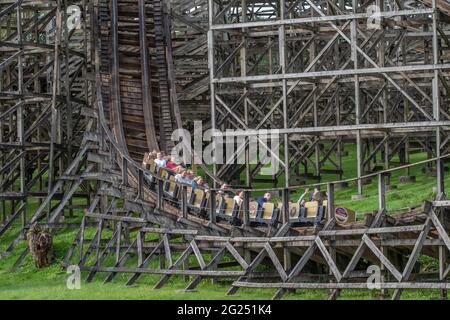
[120, 95]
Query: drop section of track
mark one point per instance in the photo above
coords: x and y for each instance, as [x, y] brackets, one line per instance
[135, 85]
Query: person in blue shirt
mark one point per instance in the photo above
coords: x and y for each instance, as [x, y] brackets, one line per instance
[197, 183]
[262, 199]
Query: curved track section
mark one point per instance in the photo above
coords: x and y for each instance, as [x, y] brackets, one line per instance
[117, 106]
[135, 86]
[134, 77]
[130, 62]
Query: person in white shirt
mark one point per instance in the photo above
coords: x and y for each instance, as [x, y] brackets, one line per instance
[160, 161]
[239, 198]
[301, 201]
[183, 177]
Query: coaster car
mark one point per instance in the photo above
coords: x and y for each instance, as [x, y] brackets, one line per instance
[226, 209]
[266, 214]
[171, 189]
[311, 212]
[197, 199]
[149, 164]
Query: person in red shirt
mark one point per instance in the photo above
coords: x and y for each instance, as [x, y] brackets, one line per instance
[171, 164]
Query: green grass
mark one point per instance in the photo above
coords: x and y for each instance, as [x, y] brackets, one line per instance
[27, 282]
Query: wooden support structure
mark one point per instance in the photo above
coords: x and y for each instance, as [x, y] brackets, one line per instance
[332, 54]
[79, 106]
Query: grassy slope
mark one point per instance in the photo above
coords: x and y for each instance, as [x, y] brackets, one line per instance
[29, 283]
[50, 283]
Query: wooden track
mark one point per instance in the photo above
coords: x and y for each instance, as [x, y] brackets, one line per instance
[138, 125]
[141, 62]
[131, 51]
[443, 5]
[137, 134]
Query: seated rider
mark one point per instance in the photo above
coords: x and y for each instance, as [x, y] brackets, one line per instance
[301, 201]
[146, 164]
[153, 154]
[160, 161]
[171, 163]
[239, 198]
[198, 182]
[191, 176]
[146, 161]
[262, 199]
[183, 177]
[225, 191]
[318, 195]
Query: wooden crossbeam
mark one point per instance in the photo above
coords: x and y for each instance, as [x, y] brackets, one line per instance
[384, 260]
[413, 257]
[196, 281]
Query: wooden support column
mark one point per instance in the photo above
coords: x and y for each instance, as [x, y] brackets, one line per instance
[55, 94]
[437, 103]
[283, 65]
[330, 216]
[140, 242]
[141, 186]
[67, 109]
[124, 171]
[287, 258]
[442, 262]
[442, 269]
[118, 241]
[384, 95]
[210, 38]
[160, 192]
[162, 260]
[184, 201]
[246, 208]
[382, 207]
[20, 119]
[331, 207]
[381, 192]
[243, 68]
[354, 55]
[212, 208]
